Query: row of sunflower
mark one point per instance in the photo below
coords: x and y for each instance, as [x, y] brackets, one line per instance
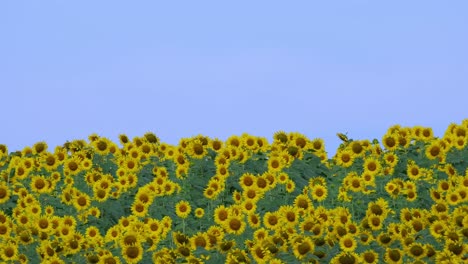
[242, 200]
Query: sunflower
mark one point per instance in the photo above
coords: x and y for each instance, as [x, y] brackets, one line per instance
[199, 240]
[82, 201]
[462, 192]
[221, 214]
[353, 182]
[5, 229]
[303, 248]
[392, 189]
[247, 180]
[289, 215]
[318, 145]
[276, 164]
[252, 193]
[375, 222]
[413, 171]
[100, 194]
[344, 158]
[416, 250]
[43, 223]
[393, 256]
[39, 184]
[384, 239]
[21, 172]
[130, 164]
[283, 177]
[365, 237]
[378, 208]
[370, 257]
[411, 195]
[434, 150]
[302, 201]
[319, 193]
[368, 179]
[271, 220]
[199, 212]
[226, 245]
[9, 251]
[249, 206]
[139, 209]
[196, 149]
[101, 145]
[346, 258]
[260, 254]
[357, 148]
[390, 141]
[460, 142]
[453, 198]
[4, 193]
[210, 193]
[348, 243]
[39, 147]
[254, 220]
[72, 166]
[372, 166]
[234, 224]
[50, 162]
[290, 186]
[132, 253]
[183, 209]
[437, 228]
[92, 233]
[310, 224]
[249, 142]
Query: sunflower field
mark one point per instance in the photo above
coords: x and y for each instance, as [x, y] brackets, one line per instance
[400, 199]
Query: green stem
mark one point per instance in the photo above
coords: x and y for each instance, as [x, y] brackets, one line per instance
[183, 225]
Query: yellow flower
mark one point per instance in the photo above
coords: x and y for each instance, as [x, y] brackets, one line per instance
[39, 147]
[378, 208]
[344, 158]
[39, 184]
[290, 186]
[82, 201]
[393, 256]
[390, 141]
[4, 193]
[372, 166]
[303, 248]
[253, 220]
[183, 209]
[348, 243]
[196, 149]
[101, 145]
[346, 257]
[43, 223]
[260, 254]
[289, 215]
[275, 164]
[319, 193]
[199, 240]
[132, 253]
[9, 251]
[234, 225]
[370, 257]
[139, 209]
[375, 222]
[199, 212]
[434, 150]
[416, 250]
[271, 220]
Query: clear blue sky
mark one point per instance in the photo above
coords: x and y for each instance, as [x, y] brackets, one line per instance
[221, 68]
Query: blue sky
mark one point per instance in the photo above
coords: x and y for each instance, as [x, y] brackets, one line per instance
[222, 68]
